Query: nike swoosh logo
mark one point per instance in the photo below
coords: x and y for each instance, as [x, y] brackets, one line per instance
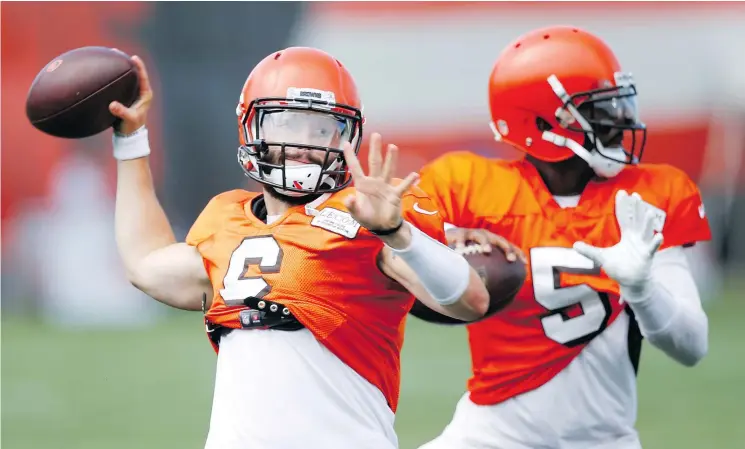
[422, 211]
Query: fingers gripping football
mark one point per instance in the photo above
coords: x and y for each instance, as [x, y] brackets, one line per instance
[503, 279]
[134, 117]
[459, 237]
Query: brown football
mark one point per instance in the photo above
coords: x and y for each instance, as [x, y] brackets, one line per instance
[70, 96]
[503, 279]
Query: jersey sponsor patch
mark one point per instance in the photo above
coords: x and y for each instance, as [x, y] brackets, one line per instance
[336, 221]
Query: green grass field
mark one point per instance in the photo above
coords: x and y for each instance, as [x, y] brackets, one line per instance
[151, 388]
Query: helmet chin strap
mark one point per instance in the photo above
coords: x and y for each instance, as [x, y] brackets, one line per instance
[561, 141]
[602, 166]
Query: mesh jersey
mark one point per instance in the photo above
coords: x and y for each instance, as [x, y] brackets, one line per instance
[566, 300]
[322, 266]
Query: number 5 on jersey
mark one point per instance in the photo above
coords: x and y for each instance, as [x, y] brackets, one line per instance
[547, 264]
[263, 251]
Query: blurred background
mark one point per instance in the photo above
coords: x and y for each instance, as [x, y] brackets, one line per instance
[88, 362]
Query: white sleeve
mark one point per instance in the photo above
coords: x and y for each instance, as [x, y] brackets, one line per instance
[671, 316]
[444, 273]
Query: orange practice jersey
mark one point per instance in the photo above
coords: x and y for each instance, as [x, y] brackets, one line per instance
[323, 267]
[566, 300]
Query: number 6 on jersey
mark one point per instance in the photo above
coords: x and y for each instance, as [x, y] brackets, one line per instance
[263, 251]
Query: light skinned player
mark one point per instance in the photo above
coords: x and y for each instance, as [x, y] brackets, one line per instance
[307, 284]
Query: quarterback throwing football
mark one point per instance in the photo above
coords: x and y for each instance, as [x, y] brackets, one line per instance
[309, 282]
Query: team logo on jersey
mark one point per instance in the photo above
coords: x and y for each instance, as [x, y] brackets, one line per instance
[336, 221]
[423, 211]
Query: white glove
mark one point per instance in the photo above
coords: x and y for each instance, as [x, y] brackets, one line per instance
[629, 261]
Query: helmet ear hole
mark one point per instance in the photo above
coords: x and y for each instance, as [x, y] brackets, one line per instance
[542, 124]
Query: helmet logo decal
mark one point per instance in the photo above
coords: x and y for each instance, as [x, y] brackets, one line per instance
[303, 93]
[623, 79]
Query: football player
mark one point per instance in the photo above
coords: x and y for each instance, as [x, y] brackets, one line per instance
[309, 282]
[606, 241]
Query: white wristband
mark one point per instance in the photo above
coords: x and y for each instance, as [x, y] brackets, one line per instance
[131, 146]
[444, 273]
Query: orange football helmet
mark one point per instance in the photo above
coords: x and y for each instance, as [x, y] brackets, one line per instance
[298, 99]
[557, 92]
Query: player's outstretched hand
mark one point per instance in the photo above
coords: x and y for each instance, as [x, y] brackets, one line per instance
[134, 117]
[629, 261]
[457, 237]
[376, 205]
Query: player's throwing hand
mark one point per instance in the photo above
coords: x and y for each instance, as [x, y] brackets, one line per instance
[629, 261]
[133, 117]
[376, 205]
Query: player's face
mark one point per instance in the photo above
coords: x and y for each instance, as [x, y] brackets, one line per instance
[613, 118]
[302, 128]
[609, 119]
